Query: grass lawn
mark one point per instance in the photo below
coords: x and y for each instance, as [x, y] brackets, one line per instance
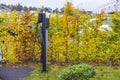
[52, 74]
[103, 73]
[107, 73]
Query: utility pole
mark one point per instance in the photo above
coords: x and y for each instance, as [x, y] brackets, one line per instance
[117, 4]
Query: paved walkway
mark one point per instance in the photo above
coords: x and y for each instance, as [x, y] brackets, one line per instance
[14, 73]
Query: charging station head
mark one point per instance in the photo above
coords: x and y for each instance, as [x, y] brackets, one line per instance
[41, 17]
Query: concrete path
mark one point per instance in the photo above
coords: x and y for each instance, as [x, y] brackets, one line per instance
[14, 73]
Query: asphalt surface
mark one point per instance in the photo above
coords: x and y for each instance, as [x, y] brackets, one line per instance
[14, 73]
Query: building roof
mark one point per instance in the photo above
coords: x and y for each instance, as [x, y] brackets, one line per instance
[3, 8]
[110, 7]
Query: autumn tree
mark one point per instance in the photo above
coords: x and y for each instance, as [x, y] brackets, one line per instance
[69, 9]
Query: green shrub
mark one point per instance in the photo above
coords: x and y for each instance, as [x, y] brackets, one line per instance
[78, 72]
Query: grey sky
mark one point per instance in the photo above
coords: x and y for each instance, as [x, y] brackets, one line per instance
[85, 4]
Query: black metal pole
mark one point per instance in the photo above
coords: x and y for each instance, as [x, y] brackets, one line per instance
[45, 24]
[43, 43]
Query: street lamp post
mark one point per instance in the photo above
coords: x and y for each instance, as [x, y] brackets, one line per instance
[44, 26]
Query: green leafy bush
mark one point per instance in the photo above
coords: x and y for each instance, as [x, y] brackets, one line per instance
[78, 72]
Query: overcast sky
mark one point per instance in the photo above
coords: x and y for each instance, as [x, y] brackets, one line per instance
[85, 4]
